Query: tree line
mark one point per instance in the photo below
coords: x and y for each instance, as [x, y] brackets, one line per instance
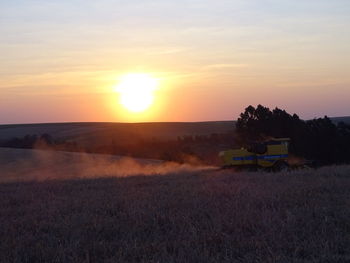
[319, 139]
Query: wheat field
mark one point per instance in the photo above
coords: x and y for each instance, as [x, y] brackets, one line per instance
[178, 215]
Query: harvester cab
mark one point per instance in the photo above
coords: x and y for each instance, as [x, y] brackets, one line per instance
[269, 154]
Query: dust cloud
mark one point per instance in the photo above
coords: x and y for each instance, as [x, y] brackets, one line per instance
[29, 165]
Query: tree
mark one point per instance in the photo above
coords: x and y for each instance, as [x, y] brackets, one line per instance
[260, 123]
[319, 139]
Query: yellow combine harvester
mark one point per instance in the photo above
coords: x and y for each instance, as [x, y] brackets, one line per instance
[271, 154]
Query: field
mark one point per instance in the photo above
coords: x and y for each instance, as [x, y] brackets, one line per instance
[106, 132]
[172, 141]
[70, 207]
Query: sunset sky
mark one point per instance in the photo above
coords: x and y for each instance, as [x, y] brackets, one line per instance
[62, 61]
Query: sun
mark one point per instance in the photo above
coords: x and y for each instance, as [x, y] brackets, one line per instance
[137, 91]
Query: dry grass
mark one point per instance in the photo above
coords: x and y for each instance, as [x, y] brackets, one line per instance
[180, 217]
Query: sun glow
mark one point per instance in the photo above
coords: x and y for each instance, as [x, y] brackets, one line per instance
[137, 91]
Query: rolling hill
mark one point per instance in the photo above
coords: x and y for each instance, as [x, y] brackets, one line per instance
[91, 132]
[345, 119]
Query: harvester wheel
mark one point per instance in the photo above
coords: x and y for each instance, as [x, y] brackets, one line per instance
[281, 166]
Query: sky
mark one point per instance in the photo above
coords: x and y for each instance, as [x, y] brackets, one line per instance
[61, 60]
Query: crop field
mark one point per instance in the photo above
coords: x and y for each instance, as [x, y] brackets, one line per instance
[163, 212]
[105, 132]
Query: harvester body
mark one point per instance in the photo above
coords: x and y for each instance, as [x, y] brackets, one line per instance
[272, 153]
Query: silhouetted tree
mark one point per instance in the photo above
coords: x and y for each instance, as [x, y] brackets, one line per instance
[318, 139]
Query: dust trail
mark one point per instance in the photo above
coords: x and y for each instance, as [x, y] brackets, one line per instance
[24, 165]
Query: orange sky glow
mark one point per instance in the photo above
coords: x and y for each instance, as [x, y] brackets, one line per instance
[62, 60]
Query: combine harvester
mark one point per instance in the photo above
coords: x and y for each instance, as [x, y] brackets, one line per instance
[271, 155]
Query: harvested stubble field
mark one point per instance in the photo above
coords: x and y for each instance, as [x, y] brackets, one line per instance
[185, 216]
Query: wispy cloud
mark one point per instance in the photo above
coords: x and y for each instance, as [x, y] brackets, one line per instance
[223, 66]
[167, 51]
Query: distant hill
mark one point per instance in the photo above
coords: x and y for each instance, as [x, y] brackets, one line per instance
[345, 119]
[92, 132]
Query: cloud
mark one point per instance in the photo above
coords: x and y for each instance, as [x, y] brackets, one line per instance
[166, 51]
[223, 66]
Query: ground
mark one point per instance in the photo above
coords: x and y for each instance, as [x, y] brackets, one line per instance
[105, 132]
[180, 214]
